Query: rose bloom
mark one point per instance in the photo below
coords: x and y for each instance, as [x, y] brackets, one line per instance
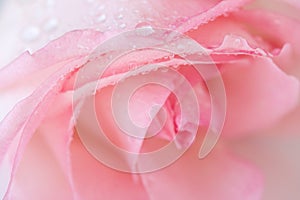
[44, 45]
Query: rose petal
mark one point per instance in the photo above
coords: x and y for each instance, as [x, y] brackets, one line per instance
[21, 123]
[25, 74]
[275, 151]
[95, 181]
[217, 176]
[278, 31]
[46, 161]
[258, 94]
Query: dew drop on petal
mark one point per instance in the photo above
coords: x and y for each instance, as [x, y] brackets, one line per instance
[123, 25]
[31, 33]
[142, 24]
[144, 29]
[237, 42]
[120, 16]
[101, 18]
[50, 25]
[108, 28]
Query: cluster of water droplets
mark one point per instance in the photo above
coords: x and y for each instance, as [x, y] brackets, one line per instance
[43, 22]
[120, 15]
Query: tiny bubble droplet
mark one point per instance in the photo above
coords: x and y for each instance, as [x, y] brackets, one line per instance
[120, 16]
[50, 25]
[122, 25]
[142, 24]
[237, 42]
[31, 33]
[101, 18]
[144, 29]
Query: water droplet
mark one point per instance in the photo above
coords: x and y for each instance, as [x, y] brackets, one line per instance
[123, 25]
[31, 33]
[120, 16]
[144, 29]
[142, 24]
[108, 28]
[101, 18]
[237, 42]
[50, 25]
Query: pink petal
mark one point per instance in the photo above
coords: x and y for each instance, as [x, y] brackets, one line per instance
[25, 74]
[236, 180]
[260, 91]
[93, 180]
[45, 163]
[21, 123]
[258, 94]
[278, 31]
[218, 176]
[275, 151]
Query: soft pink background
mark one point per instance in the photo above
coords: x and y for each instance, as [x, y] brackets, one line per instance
[275, 150]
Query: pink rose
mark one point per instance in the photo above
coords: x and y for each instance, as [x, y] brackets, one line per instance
[161, 80]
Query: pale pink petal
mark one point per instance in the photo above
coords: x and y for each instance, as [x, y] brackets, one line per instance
[277, 157]
[93, 180]
[218, 176]
[20, 78]
[45, 163]
[288, 8]
[261, 79]
[258, 94]
[260, 83]
[20, 124]
[278, 31]
[222, 8]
